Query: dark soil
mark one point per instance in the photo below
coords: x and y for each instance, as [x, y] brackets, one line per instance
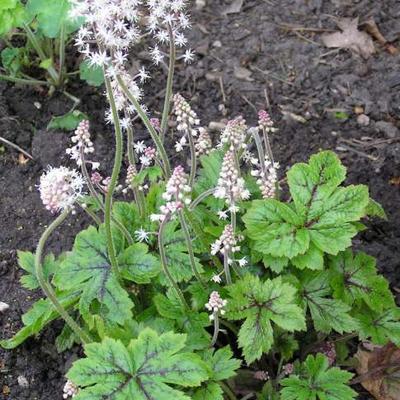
[247, 60]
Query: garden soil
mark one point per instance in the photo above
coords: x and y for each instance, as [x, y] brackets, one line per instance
[250, 55]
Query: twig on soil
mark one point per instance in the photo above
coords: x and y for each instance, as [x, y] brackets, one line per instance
[344, 147]
[15, 146]
[221, 85]
[267, 102]
[272, 75]
[306, 39]
[296, 28]
[248, 102]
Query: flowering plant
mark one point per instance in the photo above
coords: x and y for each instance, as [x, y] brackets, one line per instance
[203, 277]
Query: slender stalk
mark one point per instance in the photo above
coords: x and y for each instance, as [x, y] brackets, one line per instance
[114, 178]
[227, 271]
[216, 329]
[233, 220]
[190, 248]
[170, 79]
[200, 198]
[227, 390]
[268, 146]
[92, 215]
[15, 146]
[132, 161]
[42, 55]
[230, 326]
[145, 119]
[99, 201]
[164, 263]
[193, 159]
[45, 285]
[260, 150]
[61, 55]
[23, 81]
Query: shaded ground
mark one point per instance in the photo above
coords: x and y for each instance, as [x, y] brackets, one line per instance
[247, 60]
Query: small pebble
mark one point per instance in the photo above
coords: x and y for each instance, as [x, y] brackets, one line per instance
[387, 128]
[3, 306]
[22, 381]
[200, 4]
[37, 105]
[217, 43]
[363, 120]
[216, 126]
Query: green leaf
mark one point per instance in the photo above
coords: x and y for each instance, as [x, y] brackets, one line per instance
[26, 260]
[276, 264]
[321, 218]
[190, 322]
[66, 339]
[380, 328]
[318, 381]
[46, 64]
[177, 256]
[137, 265]
[327, 313]
[51, 15]
[93, 75]
[223, 366]
[7, 4]
[87, 269]
[12, 15]
[355, 278]
[374, 209]
[260, 304]
[274, 228]
[212, 391]
[128, 215]
[68, 121]
[11, 60]
[143, 370]
[41, 313]
[311, 183]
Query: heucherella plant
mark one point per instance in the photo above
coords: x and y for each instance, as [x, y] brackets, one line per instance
[194, 282]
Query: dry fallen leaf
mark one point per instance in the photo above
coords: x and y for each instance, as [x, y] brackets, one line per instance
[350, 38]
[379, 370]
[243, 74]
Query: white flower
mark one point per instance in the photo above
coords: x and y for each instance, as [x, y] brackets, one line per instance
[216, 304]
[223, 215]
[60, 188]
[216, 278]
[243, 262]
[143, 74]
[70, 389]
[139, 147]
[141, 235]
[226, 244]
[156, 217]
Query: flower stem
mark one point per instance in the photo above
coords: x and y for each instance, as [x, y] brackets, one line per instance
[132, 161]
[193, 159]
[149, 127]
[61, 55]
[227, 390]
[170, 79]
[114, 178]
[216, 329]
[200, 198]
[190, 248]
[45, 285]
[36, 45]
[164, 263]
[23, 81]
[99, 201]
[227, 270]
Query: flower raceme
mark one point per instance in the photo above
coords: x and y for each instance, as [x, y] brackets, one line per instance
[60, 188]
[216, 304]
[177, 194]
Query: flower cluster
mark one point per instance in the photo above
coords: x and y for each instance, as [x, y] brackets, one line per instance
[230, 185]
[146, 154]
[82, 144]
[265, 122]
[203, 144]
[227, 243]
[187, 120]
[234, 133]
[70, 390]
[113, 24]
[168, 20]
[130, 175]
[176, 194]
[216, 304]
[60, 188]
[267, 178]
[329, 350]
[288, 369]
